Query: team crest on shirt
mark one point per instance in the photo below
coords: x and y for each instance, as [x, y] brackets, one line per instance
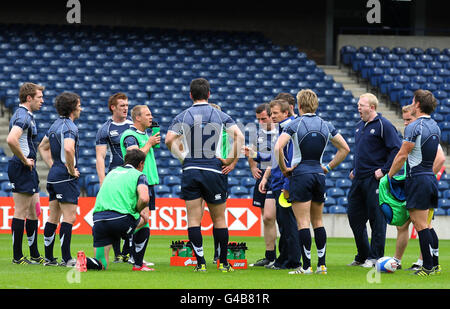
[113, 133]
[372, 131]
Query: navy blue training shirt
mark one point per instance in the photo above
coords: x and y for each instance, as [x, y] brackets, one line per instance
[425, 134]
[24, 119]
[310, 135]
[376, 145]
[201, 126]
[109, 134]
[61, 129]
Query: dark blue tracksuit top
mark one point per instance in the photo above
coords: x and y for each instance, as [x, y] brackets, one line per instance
[376, 145]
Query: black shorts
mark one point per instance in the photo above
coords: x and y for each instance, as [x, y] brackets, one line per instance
[22, 179]
[258, 197]
[307, 187]
[110, 226]
[209, 185]
[421, 192]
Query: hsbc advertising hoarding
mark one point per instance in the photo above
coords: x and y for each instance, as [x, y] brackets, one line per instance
[169, 218]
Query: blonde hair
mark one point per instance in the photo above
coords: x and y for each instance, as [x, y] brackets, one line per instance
[215, 106]
[407, 108]
[371, 98]
[307, 101]
[136, 111]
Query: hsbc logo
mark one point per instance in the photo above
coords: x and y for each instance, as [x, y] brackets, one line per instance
[240, 219]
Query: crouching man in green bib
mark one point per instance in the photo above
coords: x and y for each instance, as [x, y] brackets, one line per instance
[119, 211]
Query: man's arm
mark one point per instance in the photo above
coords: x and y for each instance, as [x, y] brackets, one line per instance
[439, 160]
[69, 150]
[143, 197]
[152, 141]
[173, 143]
[13, 143]
[342, 151]
[238, 142]
[282, 141]
[100, 155]
[400, 158]
[44, 150]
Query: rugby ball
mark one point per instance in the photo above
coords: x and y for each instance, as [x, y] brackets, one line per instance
[386, 264]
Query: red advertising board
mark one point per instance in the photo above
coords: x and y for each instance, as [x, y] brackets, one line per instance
[169, 218]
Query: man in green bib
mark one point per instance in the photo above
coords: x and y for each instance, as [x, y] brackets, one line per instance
[136, 137]
[119, 210]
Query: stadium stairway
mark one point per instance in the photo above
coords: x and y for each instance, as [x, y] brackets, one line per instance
[351, 83]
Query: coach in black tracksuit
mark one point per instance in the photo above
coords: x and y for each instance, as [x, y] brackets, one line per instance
[376, 144]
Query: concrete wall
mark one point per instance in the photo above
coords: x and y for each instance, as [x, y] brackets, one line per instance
[391, 41]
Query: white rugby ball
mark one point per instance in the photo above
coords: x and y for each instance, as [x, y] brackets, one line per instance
[386, 264]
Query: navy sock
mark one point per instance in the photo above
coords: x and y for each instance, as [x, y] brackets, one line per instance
[31, 226]
[126, 249]
[49, 239]
[305, 239]
[222, 240]
[271, 254]
[140, 245]
[435, 246]
[116, 247]
[196, 239]
[17, 228]
[65, 236]
[425, 240]
[320, 238]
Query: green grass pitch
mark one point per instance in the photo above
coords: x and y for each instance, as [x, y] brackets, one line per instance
[340, 252]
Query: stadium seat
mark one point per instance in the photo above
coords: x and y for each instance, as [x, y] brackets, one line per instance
[238, 190]
[337, 209]
[329, 201]
[444, 203]
[440, 212]
[343, 183]
[171, 180]
[335, 192]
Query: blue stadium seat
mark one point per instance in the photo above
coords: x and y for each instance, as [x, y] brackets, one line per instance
[343, 182]
[440, 212]
[405, 97]
[329, 201]
[93, 189]
[162, 189]
[6, 186]
[335, 192]
[342, 201]
[171, 180]
[337, 209]
[444, 203]
[239, 190]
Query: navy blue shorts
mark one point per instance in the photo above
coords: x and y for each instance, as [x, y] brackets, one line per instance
[421, 192]
[258, 197]
[22, 179]
[64, 192]
[211, 186]
[110, 226]
[307, 187]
